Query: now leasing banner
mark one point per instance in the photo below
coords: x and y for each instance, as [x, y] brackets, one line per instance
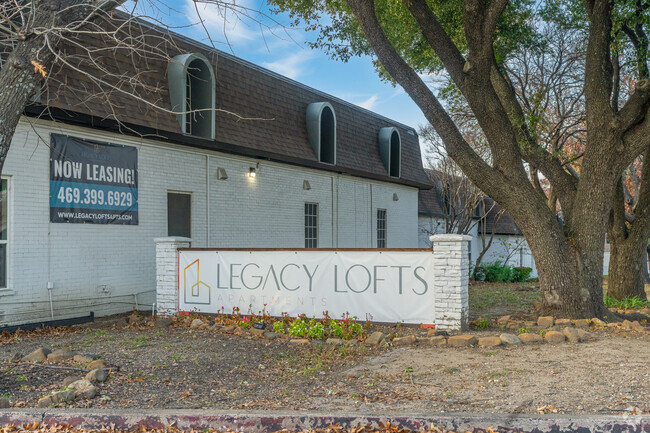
[92, 182]
[382, 286]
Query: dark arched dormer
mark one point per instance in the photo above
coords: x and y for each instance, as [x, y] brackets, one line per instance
[192, 91]
[390, 150]
[321, 130]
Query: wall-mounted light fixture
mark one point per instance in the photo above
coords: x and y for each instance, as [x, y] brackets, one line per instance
[395, 197]
[221, 173]
[305, 185]
[252, 172]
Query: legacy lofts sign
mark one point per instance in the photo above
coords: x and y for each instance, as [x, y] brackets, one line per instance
[92, 182]
[377, 285]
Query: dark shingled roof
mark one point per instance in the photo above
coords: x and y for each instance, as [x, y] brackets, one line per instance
[504, 226]
[242, 88]
[430, 204]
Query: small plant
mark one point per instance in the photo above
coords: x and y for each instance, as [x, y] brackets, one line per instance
[298, 328]
[408, 370]
[627, 303]
[21, 378]
[542, 332]
[316, 329]
[482, 323]
[5, 395]
[278, 327]
[525, 330]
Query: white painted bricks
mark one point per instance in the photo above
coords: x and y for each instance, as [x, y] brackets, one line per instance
[167, 273]
[451, 281]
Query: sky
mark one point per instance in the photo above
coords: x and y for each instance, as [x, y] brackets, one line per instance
[276, 46]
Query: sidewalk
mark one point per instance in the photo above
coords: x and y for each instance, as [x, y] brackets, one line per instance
[263, 421]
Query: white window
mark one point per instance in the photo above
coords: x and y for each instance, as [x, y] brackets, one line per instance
[4, 232]
[390, 150]
[321, 131]
[311, 225]
[381, 228]
[192, 92]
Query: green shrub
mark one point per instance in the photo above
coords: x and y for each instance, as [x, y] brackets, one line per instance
[278, 327]
[498, 272]
[521, 274]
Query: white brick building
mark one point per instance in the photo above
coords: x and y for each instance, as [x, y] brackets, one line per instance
[365, 198]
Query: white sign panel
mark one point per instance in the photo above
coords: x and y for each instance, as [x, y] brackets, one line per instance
[382, 286]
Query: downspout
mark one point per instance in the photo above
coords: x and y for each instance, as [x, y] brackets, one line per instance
[207, 198]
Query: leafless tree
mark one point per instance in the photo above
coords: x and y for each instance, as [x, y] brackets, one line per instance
[43, 41]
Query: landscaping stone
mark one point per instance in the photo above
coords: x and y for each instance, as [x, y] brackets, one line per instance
[627, 325]
[204, 326]
[376, 338]
[510, 339]
[4, 403]
[45, 401]
[70, 379]
[613, 325]
[84, 388]
[563, 322]
[196, 323]
[545, 321]
[503, 319]
[82, 359]
[489, 341]
[515, 325]
[63, 396]
[584, 335]
[437, 340]
[571, 334]
[60, 355]
[404, 341]
[299, 341]
[554, 337]
[240, 331]
[228, 329]
[334, 341]
[528, 338]
[462, 340]
[39, 355]
[437, 333]
[98, 363]
[597, 322]
[163, 323]
[636, 326]
[270, 335]
[97, 375]
[581, 323]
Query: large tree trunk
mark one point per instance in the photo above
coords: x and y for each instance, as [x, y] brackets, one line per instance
[626, 262]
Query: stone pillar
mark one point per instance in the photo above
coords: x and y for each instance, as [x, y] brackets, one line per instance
[167, 273]
[451, 281]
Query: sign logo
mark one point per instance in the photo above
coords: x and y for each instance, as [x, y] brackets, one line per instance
[195, 290]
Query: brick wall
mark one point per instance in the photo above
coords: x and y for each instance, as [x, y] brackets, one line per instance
[100, 267]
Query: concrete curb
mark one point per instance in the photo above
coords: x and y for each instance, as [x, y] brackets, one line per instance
[263, 421]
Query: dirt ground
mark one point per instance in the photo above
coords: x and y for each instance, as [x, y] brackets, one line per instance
[178, 367]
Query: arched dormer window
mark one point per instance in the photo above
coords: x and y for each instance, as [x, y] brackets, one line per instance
[321, 130]
[390, 150]
[192, 92]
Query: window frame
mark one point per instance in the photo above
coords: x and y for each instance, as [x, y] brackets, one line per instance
[7, 290]
[191, 212]
[390, 149]
[314, 120]
[177, 79]
[311, 241]
[382, 228]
